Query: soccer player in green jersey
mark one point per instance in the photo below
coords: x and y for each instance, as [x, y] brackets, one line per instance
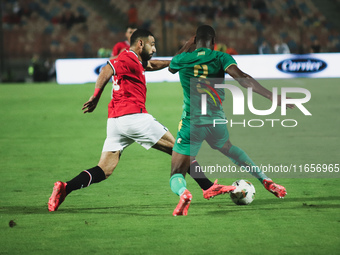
[194, 128]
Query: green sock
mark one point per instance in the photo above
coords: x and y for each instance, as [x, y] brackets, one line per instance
[178, 184]
[240, 158]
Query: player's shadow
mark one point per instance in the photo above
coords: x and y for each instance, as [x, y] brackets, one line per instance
[148, 210]
[23, 209]
[133, 210]
[275, 204]
[298, 199]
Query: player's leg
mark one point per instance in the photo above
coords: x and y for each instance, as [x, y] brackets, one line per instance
[179, 165]
[240, 158]
[177, 182]
[107, 163]
[210, 189]
[199, 176]
[188, 142]
[179, 168]
[166, 144]
[218, 138]
[114, 143]
[187, 146]
[103, 170]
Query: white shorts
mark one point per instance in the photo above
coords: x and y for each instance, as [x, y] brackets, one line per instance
[140, 127]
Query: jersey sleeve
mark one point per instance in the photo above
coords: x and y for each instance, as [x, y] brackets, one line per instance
[227, 60]
[120, 67]
[175, 63]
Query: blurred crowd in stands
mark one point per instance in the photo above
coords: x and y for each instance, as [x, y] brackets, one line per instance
[74, 28]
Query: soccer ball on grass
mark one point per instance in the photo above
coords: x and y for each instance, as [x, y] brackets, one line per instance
[244, 193]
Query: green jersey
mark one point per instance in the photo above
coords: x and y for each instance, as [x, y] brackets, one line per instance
[198, 72]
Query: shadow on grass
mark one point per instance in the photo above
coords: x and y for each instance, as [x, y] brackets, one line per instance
[273, 200]
[133, 210]
[284, 204]
[298, 199]
[148, 210]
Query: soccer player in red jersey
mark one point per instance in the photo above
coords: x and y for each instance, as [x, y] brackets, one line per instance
[128, 119]
[123, 45]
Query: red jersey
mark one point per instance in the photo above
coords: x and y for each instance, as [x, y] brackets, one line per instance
[129, 85]
[120, 46]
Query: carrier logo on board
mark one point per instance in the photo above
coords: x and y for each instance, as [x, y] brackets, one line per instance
[301, 65]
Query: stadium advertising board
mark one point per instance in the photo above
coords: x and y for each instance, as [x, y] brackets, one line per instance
[322, 65]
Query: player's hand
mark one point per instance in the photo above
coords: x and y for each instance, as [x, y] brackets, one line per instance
[90, 105]
[290, 106]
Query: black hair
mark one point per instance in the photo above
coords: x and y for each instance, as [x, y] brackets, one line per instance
[133, 26]
[205, 32]
[139, 33]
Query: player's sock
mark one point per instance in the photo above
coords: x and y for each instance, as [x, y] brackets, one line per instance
[178, 184]
[85, 179]
[240, 158]
[199, 176]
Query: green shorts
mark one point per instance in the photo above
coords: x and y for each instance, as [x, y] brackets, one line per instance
[189, 138]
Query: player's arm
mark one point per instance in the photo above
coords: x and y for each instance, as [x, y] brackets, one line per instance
[104, 76]
[186, 47]
[246, 81]
[154, 65]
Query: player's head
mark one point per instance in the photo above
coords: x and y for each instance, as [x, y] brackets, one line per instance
[143, 40]
[129, 31]
[205, 35]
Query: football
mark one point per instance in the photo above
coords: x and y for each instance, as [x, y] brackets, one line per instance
[244, 193]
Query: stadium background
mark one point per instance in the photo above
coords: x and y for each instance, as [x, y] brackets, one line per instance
[49, 30]
[44, 136]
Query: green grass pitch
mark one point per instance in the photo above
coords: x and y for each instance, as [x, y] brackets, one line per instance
[45, 137]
